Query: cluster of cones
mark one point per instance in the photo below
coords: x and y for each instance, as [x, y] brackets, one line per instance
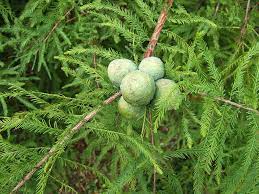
[142, 85]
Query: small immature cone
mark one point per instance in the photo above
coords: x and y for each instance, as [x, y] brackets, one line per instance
[152, 66]
[138, 88]
[128, 111]
[119, 68]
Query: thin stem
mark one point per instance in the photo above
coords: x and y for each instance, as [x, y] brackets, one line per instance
[153, 143]
[150, 49]
[244, 26]
[95, 67]
[217, 8]
[56, 25]
[74, 18]
[52, 30]
[232, 103]
[237, 105]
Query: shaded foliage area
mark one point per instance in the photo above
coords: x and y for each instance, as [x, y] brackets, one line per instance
[53, 71]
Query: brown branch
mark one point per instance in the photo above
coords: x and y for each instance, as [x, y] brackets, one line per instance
[29, 175]
[108, 101]
[245, 22]
[160, 23]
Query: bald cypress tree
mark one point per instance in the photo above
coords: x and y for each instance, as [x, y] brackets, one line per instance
[60, 129]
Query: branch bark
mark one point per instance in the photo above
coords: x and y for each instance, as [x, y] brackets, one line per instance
[160, 23]
[88, 117]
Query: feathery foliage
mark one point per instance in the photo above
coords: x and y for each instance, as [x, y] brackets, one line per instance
[53, 71]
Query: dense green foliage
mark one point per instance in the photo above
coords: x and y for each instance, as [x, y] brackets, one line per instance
[53, 70]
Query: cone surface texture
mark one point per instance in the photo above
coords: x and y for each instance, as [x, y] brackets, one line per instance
[119, 68]
[138, 88]
[152, 66]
